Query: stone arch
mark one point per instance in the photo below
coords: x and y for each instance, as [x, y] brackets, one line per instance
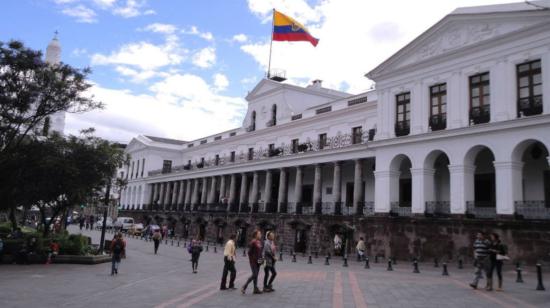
[242, 230]
[400, 184]
[437, 183]
[480, 196]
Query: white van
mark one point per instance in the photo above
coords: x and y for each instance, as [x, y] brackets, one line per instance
[123, 223]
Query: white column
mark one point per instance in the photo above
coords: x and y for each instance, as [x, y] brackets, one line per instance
[337, 183]
[212, 193]
[508, 176]
[382, 114]
[416, 108]
[422, 188]
[232, 189]
[188, 192]
[317, 180]
[195, 195]
[546, 81]
[358, 187]
[181, 193]
[175, 190]
[253, 198]
[462, 187]
[503, 91]
[222, 189]
[161, 194]
[453, 101]
[204, 192]
[463, 102]
[282, 190]
[244, 189]
[383, 195]
[268, 186]
[298, 185]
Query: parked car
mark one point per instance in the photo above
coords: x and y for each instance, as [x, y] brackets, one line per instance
[108, 225]
[123, 223]
[136, 229]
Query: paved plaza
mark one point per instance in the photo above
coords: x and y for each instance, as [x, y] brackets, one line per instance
[166, 280]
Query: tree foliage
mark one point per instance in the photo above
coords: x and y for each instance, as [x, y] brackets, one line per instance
[31, 90]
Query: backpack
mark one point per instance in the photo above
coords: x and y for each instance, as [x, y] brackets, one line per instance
[118, 248]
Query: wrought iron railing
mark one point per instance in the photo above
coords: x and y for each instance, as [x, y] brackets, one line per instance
[330, 143]
[480, 114]
[438, 208]
[481, 209]
[401, 209]
[530, 105]
[532, 209]
[402, 128]
[438, 121]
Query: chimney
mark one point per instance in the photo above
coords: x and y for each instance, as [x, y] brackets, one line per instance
[317, 83]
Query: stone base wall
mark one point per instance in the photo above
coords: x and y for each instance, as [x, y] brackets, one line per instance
[447, 239]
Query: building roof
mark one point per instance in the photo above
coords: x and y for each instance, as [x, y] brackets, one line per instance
[502, 8]
[166, 140]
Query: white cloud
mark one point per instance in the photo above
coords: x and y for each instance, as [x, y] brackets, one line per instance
[161, 28]
[65, 1]
[249, 80]
[142, 55]
[240, 38]
[77, 52]
[178, 107]
[104, 4]
[355, 36]
[193, 30]
[131, 9]
[205, 57]
[220, 82]
[81, 13]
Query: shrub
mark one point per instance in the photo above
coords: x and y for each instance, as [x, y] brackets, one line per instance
[74, 244]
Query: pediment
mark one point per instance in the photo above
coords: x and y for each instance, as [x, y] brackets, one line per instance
[135, 145]
[456, 32]
[262, 87]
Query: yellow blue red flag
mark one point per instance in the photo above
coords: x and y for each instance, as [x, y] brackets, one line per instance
[286, 28]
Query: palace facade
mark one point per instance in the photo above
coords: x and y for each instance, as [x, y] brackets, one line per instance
[454, 139]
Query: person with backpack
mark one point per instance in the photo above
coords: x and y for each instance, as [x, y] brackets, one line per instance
[195, 249]
[157, 237]
[118, 246]
[256, 260]
[270, 256]
[497, 254]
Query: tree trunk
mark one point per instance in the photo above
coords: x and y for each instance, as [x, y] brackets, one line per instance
[13, 219]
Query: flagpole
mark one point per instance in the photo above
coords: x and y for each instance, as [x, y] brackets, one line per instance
[271, 45]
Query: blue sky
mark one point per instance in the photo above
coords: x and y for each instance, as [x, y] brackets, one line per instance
[181, 69]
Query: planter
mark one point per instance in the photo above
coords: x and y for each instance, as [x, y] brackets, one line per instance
[68, 259]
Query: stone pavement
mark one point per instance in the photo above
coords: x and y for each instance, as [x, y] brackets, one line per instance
[166, 280]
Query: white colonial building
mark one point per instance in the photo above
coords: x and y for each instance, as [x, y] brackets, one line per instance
[459, 124]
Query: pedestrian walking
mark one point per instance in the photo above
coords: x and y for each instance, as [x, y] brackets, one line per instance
[81, 221]
[92, 221]
[196, 249]
[361, 247]
[270, 256]
[156, 239]
[229, 258]
[118, 247]
[255, 259]
[481, 254]
[497, 254]
[337, 245]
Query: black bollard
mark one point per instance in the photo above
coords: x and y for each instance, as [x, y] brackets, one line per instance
[316, 254]
[215, 249]
[415, 265]
[206, 247]
[540, 286]
[519, 278]
[390, 268]
[178, 243]
[326, 260]
[244, 252]
[345, 261]
[376, 259]
[294, 257]
[281, 256]
[367, 265]
[436, 262]
[445, 272]
[460, 264]
[166, 242]
[309, 261]
[171, 242]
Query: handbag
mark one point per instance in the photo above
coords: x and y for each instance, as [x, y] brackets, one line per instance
[502, 257]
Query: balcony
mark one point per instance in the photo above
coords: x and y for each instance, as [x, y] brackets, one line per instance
[402, 128]
[401, 209]
[438, 208]
[481, 209]
[530, 106]
[480, 114]
[438, 121]
[532, 209]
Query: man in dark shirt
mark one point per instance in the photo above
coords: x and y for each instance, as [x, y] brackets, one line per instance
[481, 253]
[255, 259]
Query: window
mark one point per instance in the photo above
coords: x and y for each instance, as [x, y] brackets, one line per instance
[271, 147]
[190, 145]
[438, 106]
[137, 169]
[217, 138]
[356, 135]
[402, 114]
[529, 77]
[250, 153]
[132, 175]
[480, 98]
[273, 115]
[294, 146]
[357, 101]
[323, 110]
[142, 166]
[217, 160]
[252, 126]
[296, 117]
[232, 134]
[322, 141]
[204, 141]
[166, 166]
[121, 174]
[232, 156]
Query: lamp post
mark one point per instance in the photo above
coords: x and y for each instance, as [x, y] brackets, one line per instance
[105, 207]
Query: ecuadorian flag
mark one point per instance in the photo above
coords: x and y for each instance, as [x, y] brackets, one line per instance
[287, 29]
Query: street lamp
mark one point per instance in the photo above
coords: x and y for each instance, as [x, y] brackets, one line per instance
[105, 207]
